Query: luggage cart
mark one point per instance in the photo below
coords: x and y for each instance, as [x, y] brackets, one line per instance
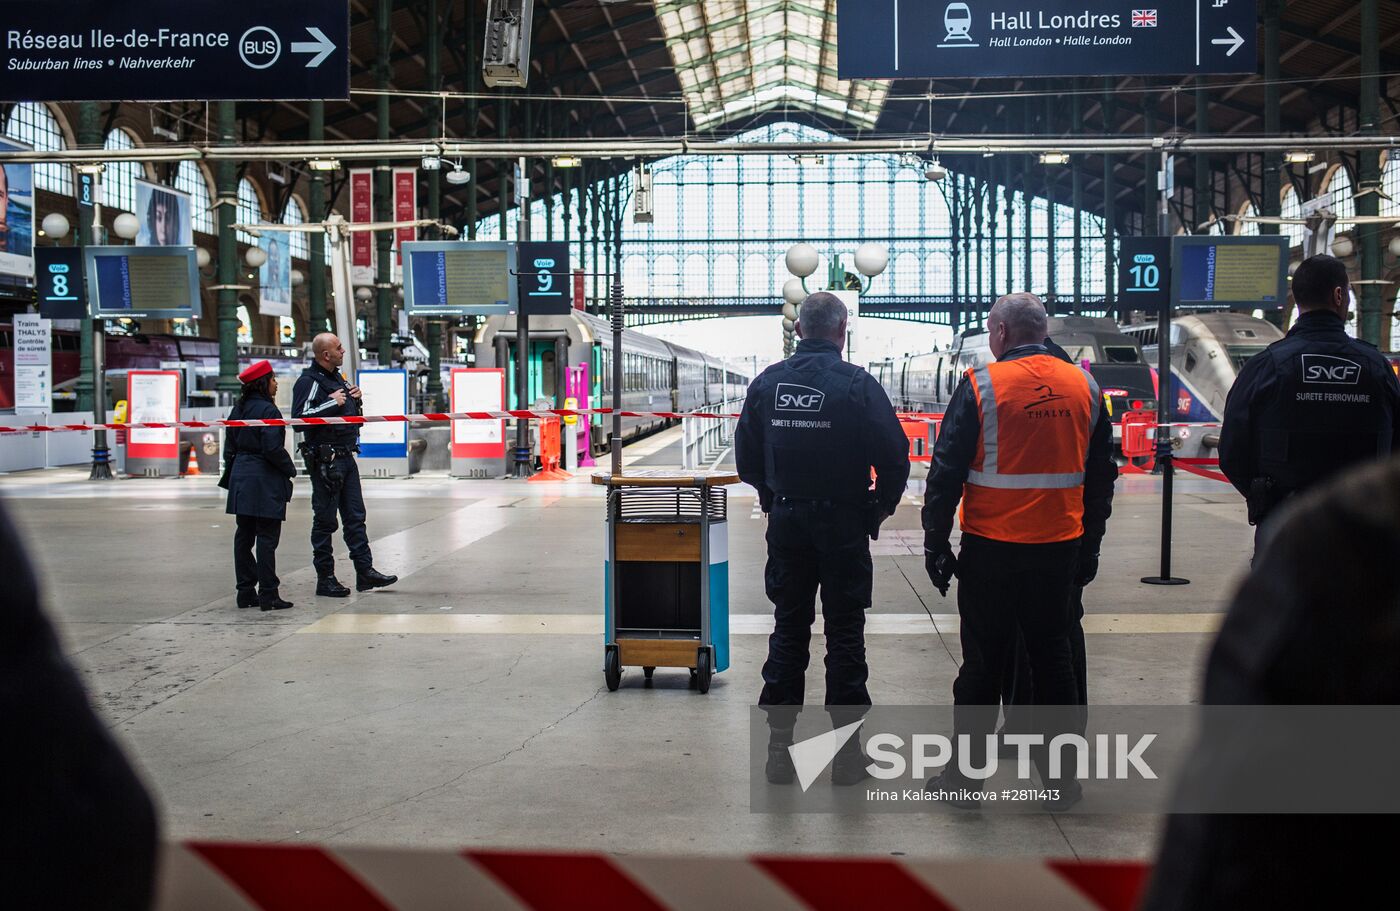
[666, 590]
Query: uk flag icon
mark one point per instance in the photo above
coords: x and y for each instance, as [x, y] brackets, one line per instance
[1144, 18]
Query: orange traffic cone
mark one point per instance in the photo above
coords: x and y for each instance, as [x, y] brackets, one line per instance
[192, 468]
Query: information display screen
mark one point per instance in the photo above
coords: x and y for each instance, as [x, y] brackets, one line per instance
[460, 278]
[151, 282]
[1230, 272]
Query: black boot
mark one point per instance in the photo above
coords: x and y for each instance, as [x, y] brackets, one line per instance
[272, 601]
[373, 578]
[779, 768]
[247, 599]
[957, 790]
[848, 767]
[330, 587]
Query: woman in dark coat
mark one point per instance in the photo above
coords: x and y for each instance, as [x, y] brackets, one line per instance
[258, 474]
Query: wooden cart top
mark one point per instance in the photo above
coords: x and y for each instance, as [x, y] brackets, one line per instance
[665, 477]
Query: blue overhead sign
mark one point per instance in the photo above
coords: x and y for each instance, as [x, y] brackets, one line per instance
[166, 50]
[921, 39]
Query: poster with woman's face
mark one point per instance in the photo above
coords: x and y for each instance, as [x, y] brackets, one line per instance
[164, 214]
[16, 217]
[276, 276]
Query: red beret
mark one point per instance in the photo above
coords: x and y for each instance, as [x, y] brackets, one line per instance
[259, 369]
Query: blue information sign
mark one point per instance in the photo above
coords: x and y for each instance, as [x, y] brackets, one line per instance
[58, 282]
[151, 282]
[459, 278]
[1230, 272]
[160, 50]
[907, 39]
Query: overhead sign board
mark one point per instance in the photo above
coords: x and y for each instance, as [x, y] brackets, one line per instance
[459, 278]
[165, 50]
[1144, 273]
[920, 39]
[545, 279]
[1230, 272]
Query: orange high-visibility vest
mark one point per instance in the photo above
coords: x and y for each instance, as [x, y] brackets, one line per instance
[1026, 483]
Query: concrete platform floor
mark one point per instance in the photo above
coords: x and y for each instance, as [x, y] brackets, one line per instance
[466, 705]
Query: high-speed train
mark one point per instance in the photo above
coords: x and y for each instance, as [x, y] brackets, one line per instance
[925, 382]
[657, 375]
[1207, 352]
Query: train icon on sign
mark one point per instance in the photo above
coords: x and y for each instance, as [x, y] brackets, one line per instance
[957, 26]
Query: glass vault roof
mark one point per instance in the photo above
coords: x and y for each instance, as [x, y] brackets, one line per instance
[735, 59]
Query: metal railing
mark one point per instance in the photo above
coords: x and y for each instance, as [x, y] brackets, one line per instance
[705, 441]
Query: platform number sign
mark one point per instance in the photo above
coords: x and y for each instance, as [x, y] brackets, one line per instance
[58, 277]
[1144, 273]
[543, 270]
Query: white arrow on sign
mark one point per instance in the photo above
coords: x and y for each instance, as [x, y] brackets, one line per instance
[323, 46]
[1234, 41]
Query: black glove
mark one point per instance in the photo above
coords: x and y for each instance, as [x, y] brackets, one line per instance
[874, 515]
[1087, 568]
[941, 566]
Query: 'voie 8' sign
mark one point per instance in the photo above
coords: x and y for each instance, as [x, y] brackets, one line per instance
[544, 278]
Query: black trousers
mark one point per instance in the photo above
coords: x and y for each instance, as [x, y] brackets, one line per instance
[1018, 688]
[816, 546]
[1004, 589]
[260, 573]
[339, 494]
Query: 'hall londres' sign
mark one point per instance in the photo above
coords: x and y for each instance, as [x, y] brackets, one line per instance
[908, 39]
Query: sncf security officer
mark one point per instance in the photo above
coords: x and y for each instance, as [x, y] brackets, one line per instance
[1312, 404]
[329, 451]
[812, 429]
[1027, 447]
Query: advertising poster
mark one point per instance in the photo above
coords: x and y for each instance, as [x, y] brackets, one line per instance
[16, 216]
[275, 276]
[362, 213]
[153, 397]
[405, 209]
[478, 389]
[164, 214]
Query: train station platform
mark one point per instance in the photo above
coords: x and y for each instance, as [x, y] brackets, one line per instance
[465, 706]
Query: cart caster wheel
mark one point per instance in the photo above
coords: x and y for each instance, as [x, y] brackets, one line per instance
[648, 671]
[703, 670]
[612, 668]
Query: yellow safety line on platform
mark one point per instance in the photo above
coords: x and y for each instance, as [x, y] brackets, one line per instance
[445, 624]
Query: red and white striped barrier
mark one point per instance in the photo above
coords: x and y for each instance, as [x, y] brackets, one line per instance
[427, 418]
[245, 877]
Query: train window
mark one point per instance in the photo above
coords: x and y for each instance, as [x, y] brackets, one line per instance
[1190, 361]
[1121, 354]
[1241, 353]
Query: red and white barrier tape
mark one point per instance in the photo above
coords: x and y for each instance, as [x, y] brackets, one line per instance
[428, 418]
[235, 877]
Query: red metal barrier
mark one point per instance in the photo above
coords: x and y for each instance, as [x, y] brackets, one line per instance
[1139, 440]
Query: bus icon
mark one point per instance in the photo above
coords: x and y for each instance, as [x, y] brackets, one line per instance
[957, 26]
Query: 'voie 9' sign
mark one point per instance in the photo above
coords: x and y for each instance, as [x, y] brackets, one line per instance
[544, 278]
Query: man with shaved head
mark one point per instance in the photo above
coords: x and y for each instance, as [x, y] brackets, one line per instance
[813, 428]
[1027, 448]
[329, 451]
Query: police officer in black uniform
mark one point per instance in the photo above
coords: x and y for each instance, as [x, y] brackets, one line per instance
[329, 451]
[1312, 404]
[812, 428]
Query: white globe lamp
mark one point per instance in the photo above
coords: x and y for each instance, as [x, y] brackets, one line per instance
[126, 226]
[793, 292]
[802, 259]
[55, 225]
[871, 259]
[255, 257]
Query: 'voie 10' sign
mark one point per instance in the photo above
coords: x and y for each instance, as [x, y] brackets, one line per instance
[159, 50]
[895, 39]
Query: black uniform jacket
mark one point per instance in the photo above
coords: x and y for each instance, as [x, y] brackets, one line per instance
[260, 470]
[812, 428]
[311, 398]
[77, 829]
[957, 447]
[1316, 622]
[1310, 405]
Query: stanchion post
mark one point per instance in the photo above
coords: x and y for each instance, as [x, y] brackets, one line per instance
[615, 438]
[1164, 386]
